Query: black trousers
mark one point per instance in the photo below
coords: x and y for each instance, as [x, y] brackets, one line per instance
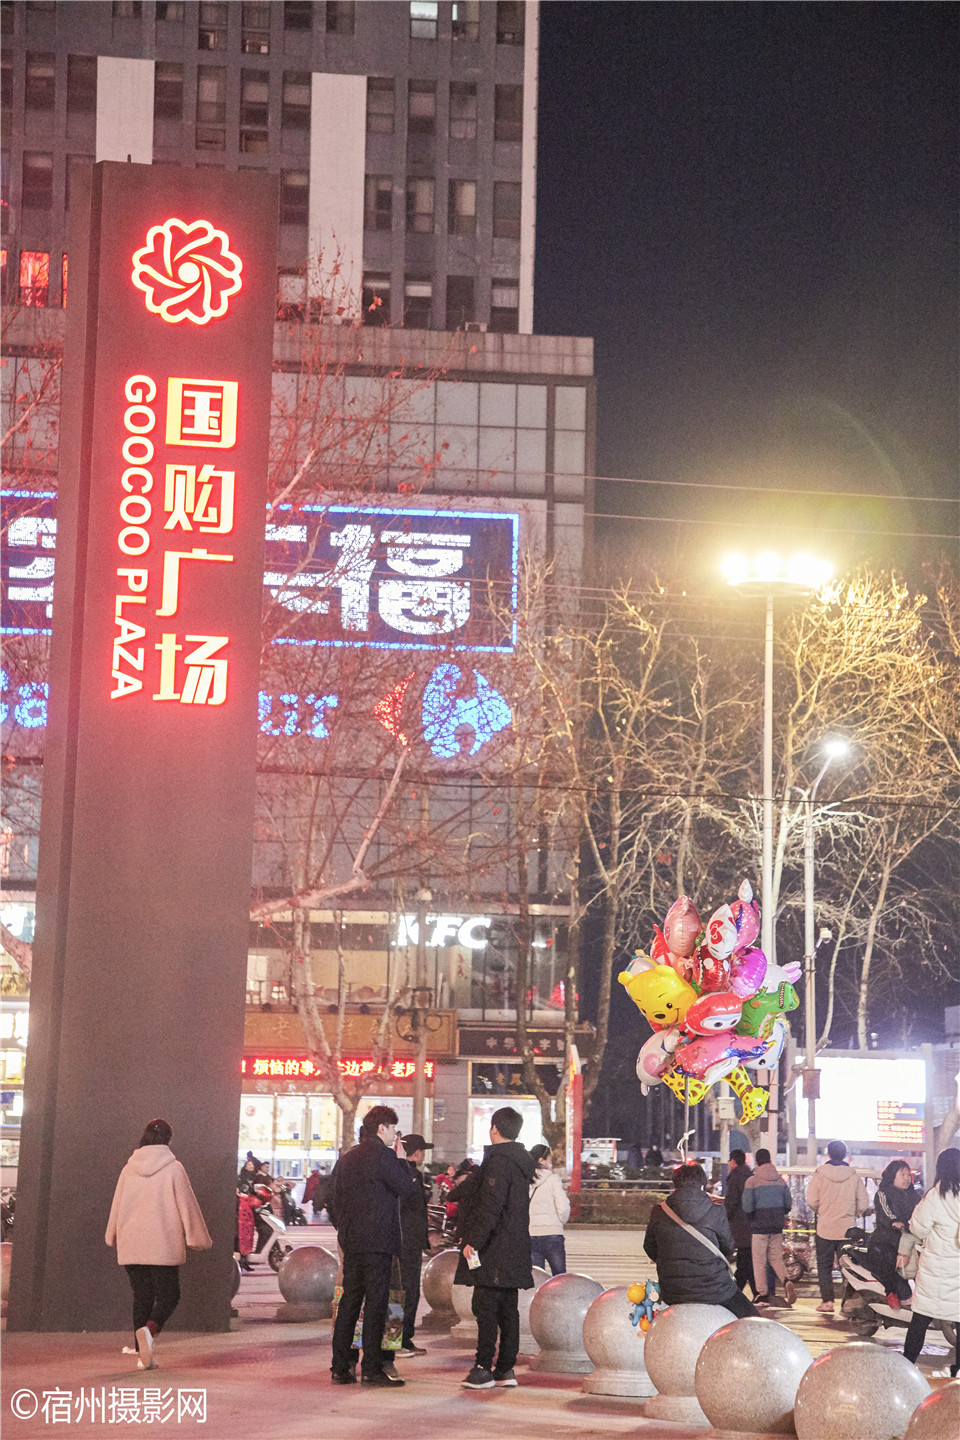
[156, 1293]
[496, 1310]
[366, 1284]
[916, 1334]
[826, 1250]
[740, 1305]
[744, 1273]
[410, 1264]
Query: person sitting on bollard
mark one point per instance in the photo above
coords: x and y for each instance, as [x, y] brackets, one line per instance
[766, 1203]
[688, 1239]
[549, 1212]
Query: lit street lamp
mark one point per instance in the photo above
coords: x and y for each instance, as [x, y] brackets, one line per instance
[834, 750]
[768, 576]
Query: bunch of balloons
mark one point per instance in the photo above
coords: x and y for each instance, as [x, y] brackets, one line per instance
[715, 1004]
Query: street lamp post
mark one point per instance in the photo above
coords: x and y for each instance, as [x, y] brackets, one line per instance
[766, 575]
[834, 749]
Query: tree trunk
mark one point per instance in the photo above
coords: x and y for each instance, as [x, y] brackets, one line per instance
[868, 952]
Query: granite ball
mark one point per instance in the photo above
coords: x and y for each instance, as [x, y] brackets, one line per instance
[674, 1342]
[616, 1347]
[557, 1312]
[747, 1376]
[528, 1345]
[436, 1281]
[937, 1417]
[858, 1391]
[308, 1275]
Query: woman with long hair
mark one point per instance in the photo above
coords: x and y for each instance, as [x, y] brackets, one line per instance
[895, 1202]
[549, 1212]
[936, 1221]
[153, 1218]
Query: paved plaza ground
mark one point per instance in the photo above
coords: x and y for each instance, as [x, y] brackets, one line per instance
[271, 1380]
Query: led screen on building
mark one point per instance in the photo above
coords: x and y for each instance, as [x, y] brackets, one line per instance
[869, 1100]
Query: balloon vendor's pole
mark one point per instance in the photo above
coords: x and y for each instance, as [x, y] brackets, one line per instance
[686, 1115]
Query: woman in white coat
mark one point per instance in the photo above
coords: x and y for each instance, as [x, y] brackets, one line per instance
[153, 1218]
[549, 1212]
[936, 1221]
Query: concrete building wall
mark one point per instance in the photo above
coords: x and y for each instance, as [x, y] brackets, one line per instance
[337, 148]
[125, 109]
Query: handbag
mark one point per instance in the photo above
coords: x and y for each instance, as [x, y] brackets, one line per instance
[697, 1235]
[393, 1330]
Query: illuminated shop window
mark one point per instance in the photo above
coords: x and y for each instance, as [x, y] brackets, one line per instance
[34, 277]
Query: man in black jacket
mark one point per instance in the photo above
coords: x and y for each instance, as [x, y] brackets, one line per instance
[688, 1267]
[737, 1176]
[366, 1188]
[416, 1239]
[494, 1220]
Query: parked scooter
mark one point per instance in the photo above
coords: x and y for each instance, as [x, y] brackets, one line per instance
[293, 1214]
[864, 1301]
[442, 1227]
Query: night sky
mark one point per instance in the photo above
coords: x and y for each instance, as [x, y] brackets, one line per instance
[752, 208]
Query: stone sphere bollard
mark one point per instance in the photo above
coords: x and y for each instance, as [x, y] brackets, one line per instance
[674, 1342]
[615, 1346]
[557, 1312]
[528, 1343]
[436, 1283]
[858, 1392]
[937, 1417]
[747, 1377]
[307, 1276]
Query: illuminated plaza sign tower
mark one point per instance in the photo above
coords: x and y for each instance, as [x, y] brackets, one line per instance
[147, 824]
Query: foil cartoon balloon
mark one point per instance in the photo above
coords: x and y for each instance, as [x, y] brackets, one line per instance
[714, 1003]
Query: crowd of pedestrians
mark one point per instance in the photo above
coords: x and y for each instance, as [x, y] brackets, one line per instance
[510, 1215]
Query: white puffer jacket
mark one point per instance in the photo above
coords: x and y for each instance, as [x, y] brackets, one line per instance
[155, 1215]
[549, 1206]
[936, 1221]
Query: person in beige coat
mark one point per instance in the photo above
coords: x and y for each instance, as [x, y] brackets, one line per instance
[153, 1218]
[838, 1196]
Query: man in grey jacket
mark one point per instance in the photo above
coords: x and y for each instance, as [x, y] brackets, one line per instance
[838, 1196]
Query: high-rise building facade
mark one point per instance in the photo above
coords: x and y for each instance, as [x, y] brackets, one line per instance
[404, 135]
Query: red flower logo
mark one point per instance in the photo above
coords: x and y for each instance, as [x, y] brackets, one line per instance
[187, 272]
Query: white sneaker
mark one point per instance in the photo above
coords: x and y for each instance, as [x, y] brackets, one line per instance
[145, 1349]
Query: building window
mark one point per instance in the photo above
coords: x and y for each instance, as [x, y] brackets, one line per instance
[466, 20]
[417, 302]
[376, 299]
[377, 202]
[81, 84]
[63, 282]
[291, 293]
[74, 164]
[295, 112]
[294, 197]
[34, 277]
[211, 107]
[168, 91]
[505, 306]
[460, 308]
[3, 274]
[6, 85]
[463, 111]
[423, 19]
[6, 22]
[39, 82]
[506, 210]
[37, 180]
[341, 17]
[509, 22]
[298, 15]
[462, 207]
[508, 112]
[212, 32]
[254, 112]
[380, 105]
[5, 189]
[255, 29]
[127, 9]
[422, 107]
[420, 205]
[170, 10]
